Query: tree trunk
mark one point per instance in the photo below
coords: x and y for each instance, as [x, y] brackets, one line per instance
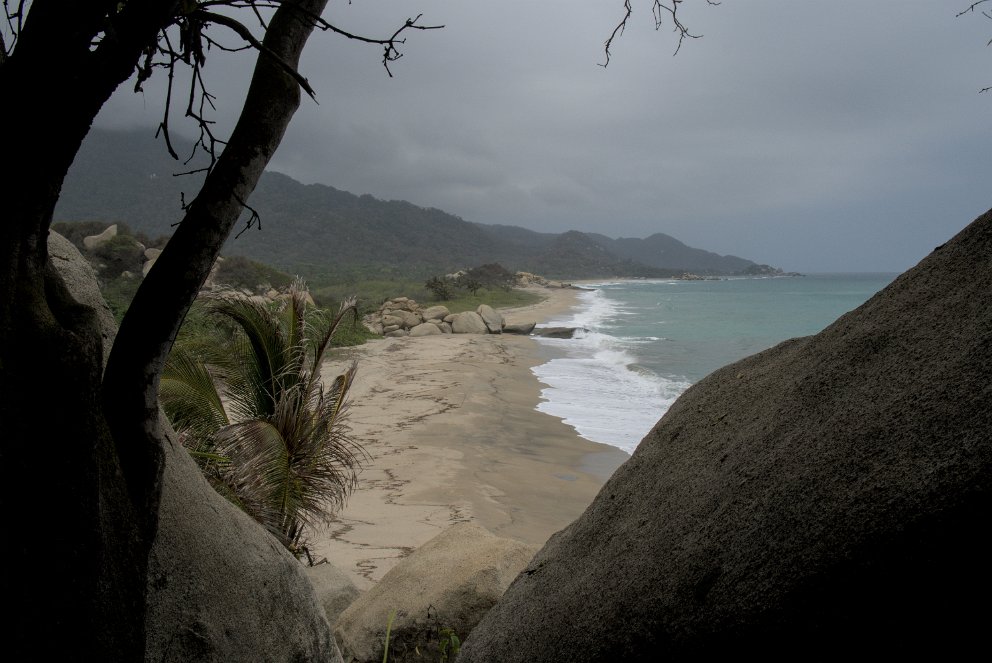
[82, 479]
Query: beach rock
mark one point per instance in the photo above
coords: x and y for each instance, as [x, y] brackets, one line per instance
[827, 495]
[445, 328]
[468, 322]
[334, 589]
[556, 332]
[425, 329]
[390, 328]
[523, 328]
[449, 582]
[397, 333]
[493, 319]
[435, 312]
[409, 320]
[220, 588]
[152, 254]
[392, 321]
[449, 318]
[403, 304]
[93, 241]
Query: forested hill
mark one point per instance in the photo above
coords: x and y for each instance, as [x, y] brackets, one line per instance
[319, 230]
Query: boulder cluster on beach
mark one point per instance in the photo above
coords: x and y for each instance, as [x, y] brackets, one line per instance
[403, 316]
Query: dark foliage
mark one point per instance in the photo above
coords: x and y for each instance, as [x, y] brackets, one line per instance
[439, 287]
[491, 276]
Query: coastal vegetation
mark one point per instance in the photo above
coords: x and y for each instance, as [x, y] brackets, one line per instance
[120, 262]
[253, 412]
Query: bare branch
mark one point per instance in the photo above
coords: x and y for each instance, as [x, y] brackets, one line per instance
[617, 31]
[659, 10]
[254, 218]
[245, 33]
[391, 52]
[971, 8]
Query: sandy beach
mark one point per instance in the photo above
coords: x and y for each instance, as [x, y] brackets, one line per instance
[452, 434]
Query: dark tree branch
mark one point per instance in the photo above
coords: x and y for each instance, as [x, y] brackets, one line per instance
[659, 10]
[972, 9]
[131, 380]
[245, 33]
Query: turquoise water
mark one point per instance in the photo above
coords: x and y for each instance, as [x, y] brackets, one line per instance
[648, 341]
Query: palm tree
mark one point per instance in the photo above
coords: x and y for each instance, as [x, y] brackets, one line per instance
[255, 415]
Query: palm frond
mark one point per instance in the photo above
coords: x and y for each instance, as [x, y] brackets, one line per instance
[285, 455]
[262, 355]
[190, 399]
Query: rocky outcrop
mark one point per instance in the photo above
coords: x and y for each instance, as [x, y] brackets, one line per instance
[435, 313]
[426, 329]
[468, 322]
[220, 588]
[94, 241]
[400, 316]
[494, 321]
[824, 497]
[523, 329]
[449, 582]
[334, 588]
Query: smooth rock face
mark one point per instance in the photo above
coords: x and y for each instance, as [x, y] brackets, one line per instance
[468, 322]
[425, 329]
[828, 496]
[435, 312]
[524, 328]
[94, 241]
[81, 281]
[220, 588]
[457, 576]
[493, 319]
[334, 588]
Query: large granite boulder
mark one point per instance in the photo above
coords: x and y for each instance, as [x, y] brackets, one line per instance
[220, 588]
[438, 312]
[425, 329]
[448, 583]
[523, 328]
[492, 318]
[80, 279]
[826, 498]
[468, 322]
[335, 589]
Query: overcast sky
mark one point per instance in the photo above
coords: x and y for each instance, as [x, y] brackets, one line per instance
[814, 136]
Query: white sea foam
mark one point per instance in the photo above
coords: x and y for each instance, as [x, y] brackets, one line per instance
[596, 387]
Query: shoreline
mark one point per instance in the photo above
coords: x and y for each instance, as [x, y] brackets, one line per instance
[451, 426]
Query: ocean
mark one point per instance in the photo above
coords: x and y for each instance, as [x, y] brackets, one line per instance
[649, 340]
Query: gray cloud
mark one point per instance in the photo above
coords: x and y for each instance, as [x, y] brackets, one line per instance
[814, 136]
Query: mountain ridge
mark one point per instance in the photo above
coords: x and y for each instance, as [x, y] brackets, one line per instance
[125, 176]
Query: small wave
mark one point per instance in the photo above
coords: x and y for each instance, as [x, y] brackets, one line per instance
[598, 388]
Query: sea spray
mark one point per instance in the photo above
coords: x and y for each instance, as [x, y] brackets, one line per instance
[646, 341]
[598, 387]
